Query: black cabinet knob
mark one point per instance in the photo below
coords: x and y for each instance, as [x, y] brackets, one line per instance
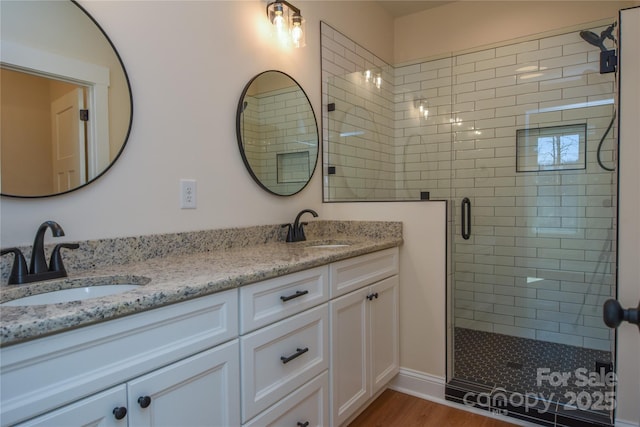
[144, 401]
[304, 424]
[120, 412]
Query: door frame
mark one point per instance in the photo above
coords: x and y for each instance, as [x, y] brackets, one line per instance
[27, 59]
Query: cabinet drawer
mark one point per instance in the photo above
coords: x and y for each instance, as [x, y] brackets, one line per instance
[41, 375]
[353, 273]
[279, 358]
[308, 404]
[272, 300]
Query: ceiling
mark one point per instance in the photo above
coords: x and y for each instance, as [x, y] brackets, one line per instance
[400, 7]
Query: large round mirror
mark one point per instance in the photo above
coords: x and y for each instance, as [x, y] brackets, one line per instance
[277, 133]
[66, 100]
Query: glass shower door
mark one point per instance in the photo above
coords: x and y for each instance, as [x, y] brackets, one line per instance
[533, 231]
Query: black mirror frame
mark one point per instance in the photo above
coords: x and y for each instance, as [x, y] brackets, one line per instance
[239, 134]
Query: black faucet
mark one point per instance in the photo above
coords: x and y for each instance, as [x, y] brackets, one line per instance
[295, 232]
[38, 269]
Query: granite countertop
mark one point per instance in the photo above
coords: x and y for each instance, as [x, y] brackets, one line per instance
[167, 280]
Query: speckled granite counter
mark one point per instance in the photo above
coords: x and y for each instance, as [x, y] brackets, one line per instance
[181, 270]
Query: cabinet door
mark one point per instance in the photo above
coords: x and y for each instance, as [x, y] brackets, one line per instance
[349, 355]
[95, 411]
[202, 390]
[384, 322]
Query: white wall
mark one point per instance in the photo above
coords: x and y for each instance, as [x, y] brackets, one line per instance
[422, 272]
[188, 62]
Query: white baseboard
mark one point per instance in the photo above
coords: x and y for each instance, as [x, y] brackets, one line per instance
[419, 384]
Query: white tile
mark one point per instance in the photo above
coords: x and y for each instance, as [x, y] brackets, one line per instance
[517, 48]
[559, 338]
[495, 63]
[540, 55]
[564, 61]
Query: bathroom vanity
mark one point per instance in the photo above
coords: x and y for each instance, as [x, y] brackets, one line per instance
[298, 334]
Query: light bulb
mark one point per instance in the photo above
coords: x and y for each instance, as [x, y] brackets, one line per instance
[278, 21]
[297, 35]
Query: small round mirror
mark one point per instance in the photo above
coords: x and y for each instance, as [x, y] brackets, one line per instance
[277, 133]
[66, 99]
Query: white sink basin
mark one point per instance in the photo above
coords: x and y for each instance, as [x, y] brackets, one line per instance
[68, 295]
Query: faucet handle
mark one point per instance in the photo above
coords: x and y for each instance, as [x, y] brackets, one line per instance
[19, 269]
[55, 263]
[290, 233]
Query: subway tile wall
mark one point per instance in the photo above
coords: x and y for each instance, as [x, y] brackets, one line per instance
[540, 261]
[278, 129]
[360, 85]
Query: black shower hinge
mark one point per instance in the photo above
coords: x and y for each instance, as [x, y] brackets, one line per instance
[84, 115]
[608, 61]
[331, 106]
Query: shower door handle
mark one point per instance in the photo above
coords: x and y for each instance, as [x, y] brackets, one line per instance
[613, 314]
[466, 218]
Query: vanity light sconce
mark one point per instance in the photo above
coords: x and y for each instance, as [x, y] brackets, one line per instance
[423, 107]
[370, 78]
[288, 23]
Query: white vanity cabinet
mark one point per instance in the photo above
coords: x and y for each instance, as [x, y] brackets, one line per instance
[284, 349]
[183, 356]
[305, 349]
[200, 390]
[364, 330]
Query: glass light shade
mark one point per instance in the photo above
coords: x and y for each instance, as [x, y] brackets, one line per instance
[297, 31]
[288, 24]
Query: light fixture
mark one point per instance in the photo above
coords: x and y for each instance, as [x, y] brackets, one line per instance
[287, 22]
[371, 79]
[423, 107]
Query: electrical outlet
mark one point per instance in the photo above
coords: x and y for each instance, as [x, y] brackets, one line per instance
[187, 194]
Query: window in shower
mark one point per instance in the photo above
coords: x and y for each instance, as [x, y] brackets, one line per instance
[551, 148]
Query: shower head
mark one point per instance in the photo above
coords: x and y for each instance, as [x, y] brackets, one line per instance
[598, 40]
[593, 39]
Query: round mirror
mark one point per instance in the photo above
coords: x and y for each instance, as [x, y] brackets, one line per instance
[66, 99]
[277, 133]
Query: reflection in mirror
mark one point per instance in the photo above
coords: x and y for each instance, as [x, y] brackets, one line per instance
[277, 133]
[66, 99]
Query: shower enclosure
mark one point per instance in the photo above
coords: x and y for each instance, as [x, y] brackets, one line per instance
[520, 139]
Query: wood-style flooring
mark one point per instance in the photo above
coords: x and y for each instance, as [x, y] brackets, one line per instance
[395, 409]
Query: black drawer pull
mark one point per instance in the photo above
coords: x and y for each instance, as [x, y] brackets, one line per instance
[299, 352]
[296, 295]
[304, 424]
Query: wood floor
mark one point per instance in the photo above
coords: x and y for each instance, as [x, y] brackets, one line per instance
[395, 409]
